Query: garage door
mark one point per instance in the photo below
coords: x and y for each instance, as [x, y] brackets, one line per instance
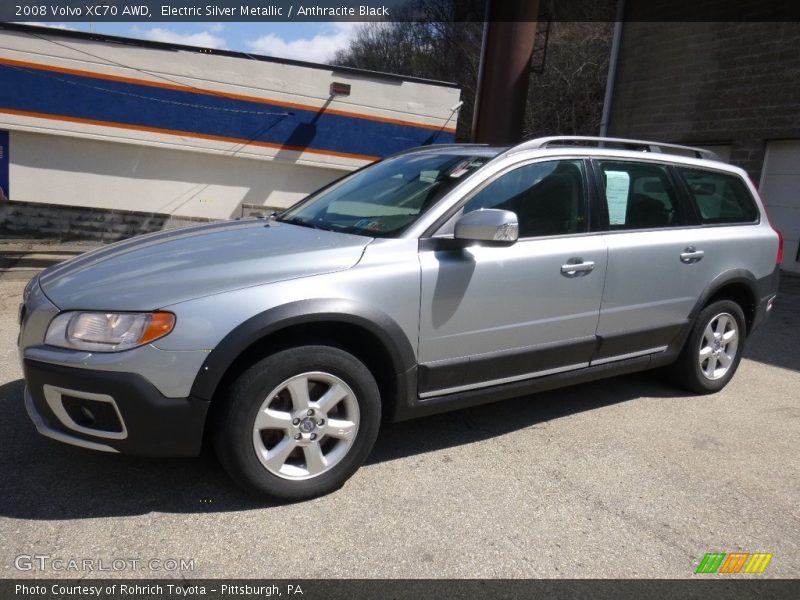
[780, 189]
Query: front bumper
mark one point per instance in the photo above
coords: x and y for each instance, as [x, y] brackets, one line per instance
[111, 411]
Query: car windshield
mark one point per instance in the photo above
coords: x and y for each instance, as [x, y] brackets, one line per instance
[384, 199]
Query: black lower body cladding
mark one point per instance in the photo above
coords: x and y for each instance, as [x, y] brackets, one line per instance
[154, 425]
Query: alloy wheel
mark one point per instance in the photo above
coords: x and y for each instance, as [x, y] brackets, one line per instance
[306, 425]
[718, 346]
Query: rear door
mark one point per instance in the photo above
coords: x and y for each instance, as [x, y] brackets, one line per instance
[494, 315]
[659, 259]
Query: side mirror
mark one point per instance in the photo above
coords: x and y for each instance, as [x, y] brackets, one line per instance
[489, 227]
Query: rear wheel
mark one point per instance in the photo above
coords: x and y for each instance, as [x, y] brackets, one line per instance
[713, 350]
[298, 423]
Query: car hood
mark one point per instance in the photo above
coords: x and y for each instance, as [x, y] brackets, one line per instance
[155, 270]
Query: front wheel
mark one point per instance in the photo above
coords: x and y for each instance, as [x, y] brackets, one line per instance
[714, 348]
[298, 423]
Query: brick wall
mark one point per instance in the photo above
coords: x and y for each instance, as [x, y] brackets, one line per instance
[29, 219]
[728, 83]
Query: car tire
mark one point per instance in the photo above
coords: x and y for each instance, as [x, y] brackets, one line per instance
[713, 350]
[298, 423]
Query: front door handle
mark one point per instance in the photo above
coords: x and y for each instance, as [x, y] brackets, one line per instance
[691, 255]
[576, 267]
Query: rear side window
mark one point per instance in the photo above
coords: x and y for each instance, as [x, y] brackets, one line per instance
[639, 196]
[720, 197]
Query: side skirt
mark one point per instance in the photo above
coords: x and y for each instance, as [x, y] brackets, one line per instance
[438, 404]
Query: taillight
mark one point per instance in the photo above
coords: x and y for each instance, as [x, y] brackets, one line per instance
[779, 255]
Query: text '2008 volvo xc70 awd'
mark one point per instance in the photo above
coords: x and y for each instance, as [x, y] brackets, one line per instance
[438, 278]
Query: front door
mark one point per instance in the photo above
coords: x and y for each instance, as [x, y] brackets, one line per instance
[492, 315]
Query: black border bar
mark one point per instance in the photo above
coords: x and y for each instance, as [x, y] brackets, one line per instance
[67, 11]
[711, 587]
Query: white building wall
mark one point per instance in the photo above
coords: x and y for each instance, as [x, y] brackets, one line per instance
[97, 173]
[62, 153]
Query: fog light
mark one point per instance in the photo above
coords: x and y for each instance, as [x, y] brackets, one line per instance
[88, 417]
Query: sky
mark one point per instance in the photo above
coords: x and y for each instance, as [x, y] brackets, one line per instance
[314, 42]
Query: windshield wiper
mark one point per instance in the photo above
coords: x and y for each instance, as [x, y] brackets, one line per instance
[302, 223]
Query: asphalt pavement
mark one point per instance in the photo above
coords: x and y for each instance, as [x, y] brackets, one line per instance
[628, 477]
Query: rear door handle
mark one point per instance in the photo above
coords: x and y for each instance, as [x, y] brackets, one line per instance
[576, 267]
[691, 255]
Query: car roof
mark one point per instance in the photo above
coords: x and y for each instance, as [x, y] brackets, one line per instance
[588, 147]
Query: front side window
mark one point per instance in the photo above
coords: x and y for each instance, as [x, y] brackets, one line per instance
[549, 198]
[386, 198]
[639, 196]
[720, 197]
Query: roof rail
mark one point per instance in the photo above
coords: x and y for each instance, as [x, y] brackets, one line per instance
[644, 146]
[415, 149]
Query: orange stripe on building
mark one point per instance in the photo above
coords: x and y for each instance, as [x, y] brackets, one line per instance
[205, 136]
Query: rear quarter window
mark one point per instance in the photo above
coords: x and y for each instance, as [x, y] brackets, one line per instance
[719, 197]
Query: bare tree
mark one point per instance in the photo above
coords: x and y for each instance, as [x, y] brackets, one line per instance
[441, 40]
[566, 98]
[438, 50]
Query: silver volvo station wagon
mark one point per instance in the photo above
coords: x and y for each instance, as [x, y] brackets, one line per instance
[438, 278]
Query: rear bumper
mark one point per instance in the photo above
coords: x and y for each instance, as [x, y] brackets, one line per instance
[111, 412]
[767, 290]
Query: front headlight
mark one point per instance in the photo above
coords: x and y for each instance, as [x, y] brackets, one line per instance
[107, 332]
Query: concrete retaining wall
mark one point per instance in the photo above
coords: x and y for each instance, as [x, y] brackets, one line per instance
[37, 220]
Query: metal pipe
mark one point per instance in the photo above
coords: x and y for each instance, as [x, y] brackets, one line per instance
[476, 105]
[612, 68]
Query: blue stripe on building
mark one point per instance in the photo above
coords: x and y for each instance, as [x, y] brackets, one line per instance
[77, 96]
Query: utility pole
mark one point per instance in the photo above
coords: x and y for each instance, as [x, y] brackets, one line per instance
[504, 73]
